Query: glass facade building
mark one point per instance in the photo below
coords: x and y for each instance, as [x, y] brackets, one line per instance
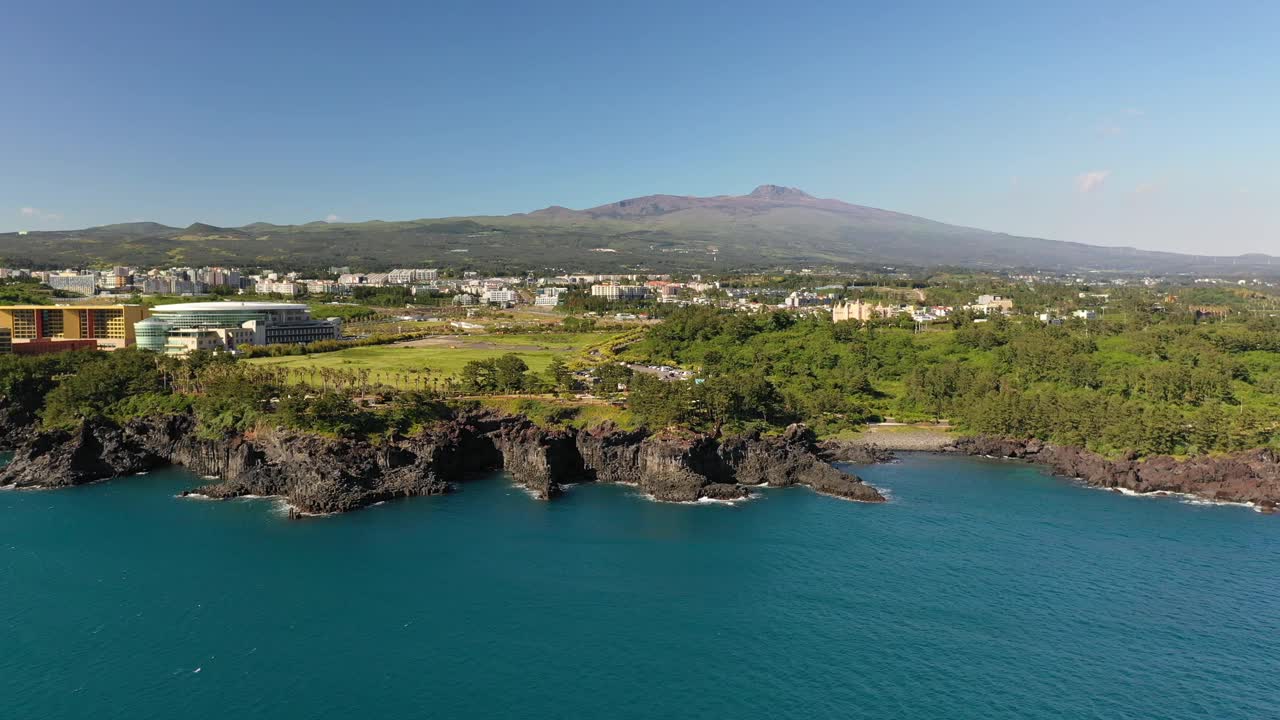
[264, 323]
[152, 333]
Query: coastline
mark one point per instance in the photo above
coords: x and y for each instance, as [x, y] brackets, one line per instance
[1249, 479]
[319, 475]
[314, 475]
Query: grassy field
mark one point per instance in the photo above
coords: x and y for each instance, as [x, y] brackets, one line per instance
[440, 357]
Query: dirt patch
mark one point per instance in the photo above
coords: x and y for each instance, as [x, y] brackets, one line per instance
[904, 437]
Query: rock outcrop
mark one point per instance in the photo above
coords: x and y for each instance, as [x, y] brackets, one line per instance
[854, 452]
[319, 475]
[1244, 477]
[792, 458]
[17, 423]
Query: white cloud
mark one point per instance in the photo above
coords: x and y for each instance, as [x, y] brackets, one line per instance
[1092, 180]
[331, 218]
[1144, 188]
[1133, 112]
[35, 214]
[1110, 130]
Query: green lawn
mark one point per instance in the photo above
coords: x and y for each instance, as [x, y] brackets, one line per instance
[548, 340]
[391, 359]
[388, 361]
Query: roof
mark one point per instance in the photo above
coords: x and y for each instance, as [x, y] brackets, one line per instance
[68, 306]
[226, 307]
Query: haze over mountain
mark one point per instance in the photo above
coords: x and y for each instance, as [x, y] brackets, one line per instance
[771, 226]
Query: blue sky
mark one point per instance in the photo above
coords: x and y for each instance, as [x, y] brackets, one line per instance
[1154, 124]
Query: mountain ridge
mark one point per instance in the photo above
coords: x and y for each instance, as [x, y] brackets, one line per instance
[773, 225]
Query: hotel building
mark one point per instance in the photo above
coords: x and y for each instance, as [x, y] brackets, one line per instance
[109, 326]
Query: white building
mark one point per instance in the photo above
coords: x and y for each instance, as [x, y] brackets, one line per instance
[73, 283]
[181, 328]
[548, 296]
[286, 288]
[409, 276]
[500, 297]
[988, 304]
[324, 287]
[611, 291]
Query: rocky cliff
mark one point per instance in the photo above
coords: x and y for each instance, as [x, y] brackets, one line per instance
[17, 423]
[1246, 477]
[324, 475]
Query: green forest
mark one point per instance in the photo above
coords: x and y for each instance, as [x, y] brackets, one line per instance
[1142, 381]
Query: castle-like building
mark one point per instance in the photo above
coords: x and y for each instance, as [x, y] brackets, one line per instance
[858, 310]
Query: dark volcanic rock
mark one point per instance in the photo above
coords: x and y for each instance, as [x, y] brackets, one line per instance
[675, 466]
[317, 474]
[540, 460]
[611, 455]
[792, 459]
[723, 491]
[322, 475]
[97, 450]
[17, 423]
[1252, 476]
[851, 452]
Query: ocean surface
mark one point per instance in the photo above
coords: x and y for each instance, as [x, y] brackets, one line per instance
[982, 590]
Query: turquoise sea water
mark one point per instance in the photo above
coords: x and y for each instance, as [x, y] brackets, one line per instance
[983, 590]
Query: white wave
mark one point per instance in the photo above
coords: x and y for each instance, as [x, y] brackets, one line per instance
[699, 501]
[1185, 498]
[718, 501]
[527, 491]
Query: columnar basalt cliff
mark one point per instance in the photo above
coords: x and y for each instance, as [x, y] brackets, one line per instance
[1245, 477]
[325, 475]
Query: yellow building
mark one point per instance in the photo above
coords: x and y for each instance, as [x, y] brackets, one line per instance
[110, 325]
[858, 310]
